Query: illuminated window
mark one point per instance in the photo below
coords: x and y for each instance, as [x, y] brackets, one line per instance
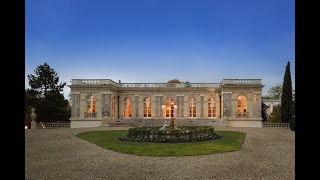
[146, 107]
[212, 107]
[113, 106]
[91, 104]
[91, 107]
[169, 107]
[127, 107]
[192, 107]
[242, 103]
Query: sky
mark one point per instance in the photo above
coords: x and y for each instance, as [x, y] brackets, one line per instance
[159, 40]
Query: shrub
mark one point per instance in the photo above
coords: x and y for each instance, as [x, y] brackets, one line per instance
[275, 116]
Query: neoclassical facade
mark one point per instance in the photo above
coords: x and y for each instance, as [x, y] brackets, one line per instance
[103, 102]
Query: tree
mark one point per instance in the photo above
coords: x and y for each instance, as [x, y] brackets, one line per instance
[50, 103]
[264, 113]
[174, 81]
[286, 98]
[275, 92]
[275, 116]
[45, 80]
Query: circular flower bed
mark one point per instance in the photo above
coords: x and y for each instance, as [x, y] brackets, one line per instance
[181, 134]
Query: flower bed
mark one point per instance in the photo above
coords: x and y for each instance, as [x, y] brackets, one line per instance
[181, 134]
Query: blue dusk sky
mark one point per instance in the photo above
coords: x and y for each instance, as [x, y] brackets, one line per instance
[159, 40]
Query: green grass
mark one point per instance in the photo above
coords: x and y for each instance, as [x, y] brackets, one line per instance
[230, 141]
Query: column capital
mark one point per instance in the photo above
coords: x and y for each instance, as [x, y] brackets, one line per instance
[256, 93]
[158, 95]
[105, 92]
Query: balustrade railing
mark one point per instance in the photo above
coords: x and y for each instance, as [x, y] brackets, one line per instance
[89, 114]
[53, 125]
[242, 81]
[242, 114]
[276, 125]
[165, 85]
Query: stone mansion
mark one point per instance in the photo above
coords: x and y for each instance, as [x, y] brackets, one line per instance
[104, 102]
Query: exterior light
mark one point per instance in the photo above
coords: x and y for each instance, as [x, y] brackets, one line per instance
[25, 127]
[163, 106]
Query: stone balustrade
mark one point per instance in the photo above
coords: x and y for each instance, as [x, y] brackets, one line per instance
[241, 82]
[143, 85]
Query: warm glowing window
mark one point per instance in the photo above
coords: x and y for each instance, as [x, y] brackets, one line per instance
[192, 107]
[212, 107]
[169, 107]
[91, 104]
[127, 107]
[146, 107]
[113, 106]
[242, 103]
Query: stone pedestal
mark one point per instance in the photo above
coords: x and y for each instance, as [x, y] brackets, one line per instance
[33, 117]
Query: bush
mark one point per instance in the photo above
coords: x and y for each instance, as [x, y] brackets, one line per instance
[292, 124]
[275, 116]
[183, 134]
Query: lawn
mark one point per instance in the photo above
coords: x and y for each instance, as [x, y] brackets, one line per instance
[230, 141]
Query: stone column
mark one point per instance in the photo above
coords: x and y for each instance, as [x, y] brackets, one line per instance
[161, 102]
[72, 105]
[137, 106]
[258, 104]
[201, 106]
[157, 106]
[77, 104]
[182, 105]
[227, 104]
[105, 104]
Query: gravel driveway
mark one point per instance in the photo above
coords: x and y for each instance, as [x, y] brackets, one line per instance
[267, 153]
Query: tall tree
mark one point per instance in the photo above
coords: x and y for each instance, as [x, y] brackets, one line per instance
[286, 98]
[51, 105]
[45, 80]
[275, 92]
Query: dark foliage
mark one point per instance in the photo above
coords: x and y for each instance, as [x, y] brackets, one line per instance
[286, 99]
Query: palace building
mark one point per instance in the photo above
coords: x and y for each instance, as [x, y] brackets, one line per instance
[104, 102]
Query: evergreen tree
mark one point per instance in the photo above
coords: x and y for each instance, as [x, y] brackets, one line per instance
[286, 98]
[45, 80]
[50, 103]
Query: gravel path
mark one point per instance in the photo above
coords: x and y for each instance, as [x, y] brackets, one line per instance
[267, 153]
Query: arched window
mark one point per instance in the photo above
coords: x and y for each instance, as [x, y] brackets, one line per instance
[127, 108]
[242, 106]
[146, 107]
[169, 107]
[91, 107]
[192, 107]
[113, 106]
[212, 107]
